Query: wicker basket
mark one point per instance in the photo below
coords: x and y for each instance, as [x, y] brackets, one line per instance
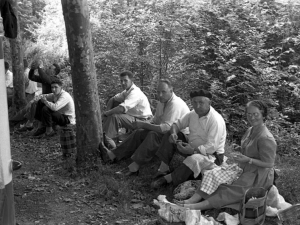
[290, 216]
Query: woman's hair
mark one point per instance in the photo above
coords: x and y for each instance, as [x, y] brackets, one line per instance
[260, 105]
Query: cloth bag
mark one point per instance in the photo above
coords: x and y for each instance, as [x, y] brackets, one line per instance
[253, 207]
[67, 141]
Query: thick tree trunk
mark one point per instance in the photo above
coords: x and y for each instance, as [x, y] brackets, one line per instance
[19, 100]
[88, 114]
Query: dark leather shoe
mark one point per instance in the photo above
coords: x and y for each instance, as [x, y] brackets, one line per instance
[160, 174]
[102, 150]
[128, 173]
[24, 129]
[16, 165]
[159, 183]
[39, 131]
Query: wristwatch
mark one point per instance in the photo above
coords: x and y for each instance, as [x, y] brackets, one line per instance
[250, 161]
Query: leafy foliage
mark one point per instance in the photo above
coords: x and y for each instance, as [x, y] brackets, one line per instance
[239, 50]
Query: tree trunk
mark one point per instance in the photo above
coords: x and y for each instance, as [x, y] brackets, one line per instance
[86, 98]
[19, 100]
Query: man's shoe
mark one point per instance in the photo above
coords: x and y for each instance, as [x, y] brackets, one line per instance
[128, 173]
[159, 183]
[24, 129]
[102, 150]
[16, 165]
[39, 131]
[160, 174]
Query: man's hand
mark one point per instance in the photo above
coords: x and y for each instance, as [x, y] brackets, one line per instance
[173, 138]
[43, 99]
[185, 148]
[138, 124]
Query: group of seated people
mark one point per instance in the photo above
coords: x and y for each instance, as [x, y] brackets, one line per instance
[198, 135]
[54, 106]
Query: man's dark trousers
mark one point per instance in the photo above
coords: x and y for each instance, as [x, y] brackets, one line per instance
[48, 117]
[141, 145]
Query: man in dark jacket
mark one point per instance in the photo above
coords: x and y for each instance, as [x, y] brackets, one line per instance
[45, 76]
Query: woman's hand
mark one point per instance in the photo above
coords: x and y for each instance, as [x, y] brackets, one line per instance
[241, 158]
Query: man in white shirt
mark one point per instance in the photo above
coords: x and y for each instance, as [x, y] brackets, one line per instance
[30, 86]
[203, 148]
[143, 143]
[134, 106]
[57, 107]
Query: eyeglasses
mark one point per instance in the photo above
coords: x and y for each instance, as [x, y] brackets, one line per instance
[253, 114]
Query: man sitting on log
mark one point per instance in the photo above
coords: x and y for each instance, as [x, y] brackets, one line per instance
[134, 106]
[203, 147]
[143, 143]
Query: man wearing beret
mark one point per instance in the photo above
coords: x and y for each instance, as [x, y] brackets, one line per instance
[203, 147]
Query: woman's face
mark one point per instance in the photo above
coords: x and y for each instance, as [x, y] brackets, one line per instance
[254, 116]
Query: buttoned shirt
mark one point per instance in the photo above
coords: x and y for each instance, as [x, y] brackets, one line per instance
[62, 103]
[207, 133]
[168, 113]
[135, 102]
[9, 79]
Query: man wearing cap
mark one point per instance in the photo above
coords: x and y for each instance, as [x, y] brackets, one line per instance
[134, 106]
[143, 143]
[203, 147]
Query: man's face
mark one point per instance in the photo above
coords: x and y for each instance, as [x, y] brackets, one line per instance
[164, 93]
[201, 105]
[56, 89]
[125, 82]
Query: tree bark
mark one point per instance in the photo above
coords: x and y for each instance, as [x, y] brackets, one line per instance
[86, 98]
[19, 100]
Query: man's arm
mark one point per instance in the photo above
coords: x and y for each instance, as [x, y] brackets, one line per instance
[61, 102]
[117, 110]
[34, 77]
[147, 126]
[214, 136]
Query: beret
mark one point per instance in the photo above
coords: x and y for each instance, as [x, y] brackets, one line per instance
[201, 93]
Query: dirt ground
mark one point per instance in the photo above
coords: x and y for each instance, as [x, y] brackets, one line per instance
[48, 191]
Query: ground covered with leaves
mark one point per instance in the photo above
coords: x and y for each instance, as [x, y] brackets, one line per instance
[49, 190]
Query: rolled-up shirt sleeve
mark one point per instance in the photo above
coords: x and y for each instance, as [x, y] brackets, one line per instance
[130, 101]
[120, 97]
[60, 103]
[213, 139]
[183, 122]
[171, 115]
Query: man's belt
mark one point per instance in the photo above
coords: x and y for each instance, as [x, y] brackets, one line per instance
[143, 119]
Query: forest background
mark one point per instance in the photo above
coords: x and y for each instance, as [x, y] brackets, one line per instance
[239, 50]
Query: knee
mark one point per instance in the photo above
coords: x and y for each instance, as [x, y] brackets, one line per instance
[45, 110]
[152, 134]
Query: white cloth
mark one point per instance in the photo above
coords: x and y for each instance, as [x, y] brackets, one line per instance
[63, 103]
[9, 79]
[207, 133]
[168, 113]
[229, 219]
[198, 163]
[135, 102]
[31, 86]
